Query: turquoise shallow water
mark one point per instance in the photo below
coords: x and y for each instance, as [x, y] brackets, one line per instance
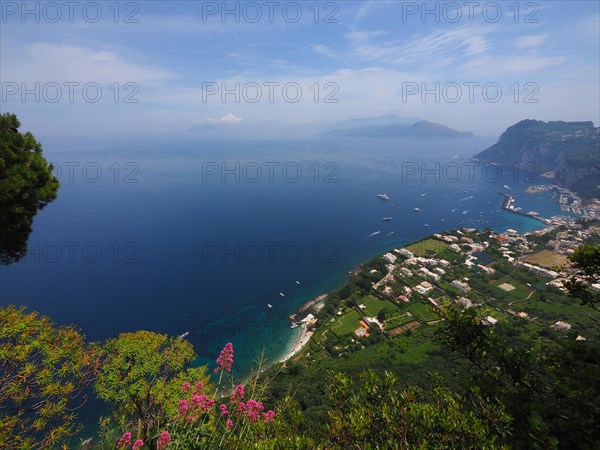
[160, 241]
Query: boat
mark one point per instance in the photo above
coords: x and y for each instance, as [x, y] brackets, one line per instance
[297, 282]
[426, 225]
[383, 196]
[416, 209]
[184, 335]
[269, 305]
[294, 325]
[282, 294]
[386, 219]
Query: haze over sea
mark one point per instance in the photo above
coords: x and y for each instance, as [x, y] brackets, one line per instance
[163, 244]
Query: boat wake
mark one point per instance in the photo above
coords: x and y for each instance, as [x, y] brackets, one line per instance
[466, 198]
[373, 234]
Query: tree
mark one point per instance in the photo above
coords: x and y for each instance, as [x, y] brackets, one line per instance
[44, 371]
[551, 389]
[376, 413]
[140, 373]
[26, 186]
[586, 261]
[381, 315]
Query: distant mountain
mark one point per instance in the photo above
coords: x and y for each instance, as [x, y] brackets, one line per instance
[567, 151]
[418, 130]
[370, 121]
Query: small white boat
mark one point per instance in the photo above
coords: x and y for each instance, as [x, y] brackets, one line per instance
[386, 219]
[416, 209]
[282, 294]
[383, 196]
[426, 225]
[269, 305]
[184, 335]
[297, 282]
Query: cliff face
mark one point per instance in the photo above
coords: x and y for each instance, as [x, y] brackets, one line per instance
[569, 150]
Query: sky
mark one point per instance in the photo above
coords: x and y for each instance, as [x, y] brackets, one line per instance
[290, 69]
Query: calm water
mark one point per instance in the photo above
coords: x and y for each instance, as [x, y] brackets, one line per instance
[167, 244]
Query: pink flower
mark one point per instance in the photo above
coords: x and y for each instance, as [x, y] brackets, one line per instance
[269, 416]
[125, 440]
[238, 393]
[185, 387]
[138, 444]
[229, 424]
[241, 408]
[163, 440]
[183, 406]
[199, 387]
[223, 408]
[225, 359]
[208, 404]
[198, 400]
[253, 410]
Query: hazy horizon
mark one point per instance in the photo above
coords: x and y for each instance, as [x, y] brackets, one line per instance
[290, 69]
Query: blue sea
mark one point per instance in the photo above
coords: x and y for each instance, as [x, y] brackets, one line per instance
[199, 237]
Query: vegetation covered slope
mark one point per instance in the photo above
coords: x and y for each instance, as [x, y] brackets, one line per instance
[570, 151]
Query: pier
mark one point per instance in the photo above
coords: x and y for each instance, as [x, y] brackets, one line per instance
[507, 205]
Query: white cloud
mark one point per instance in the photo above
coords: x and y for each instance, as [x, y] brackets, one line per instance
[449, 44]
[371, 5]
[512, 65]
[532, 40]
[324, 50]
[229, 118]
[64, 62]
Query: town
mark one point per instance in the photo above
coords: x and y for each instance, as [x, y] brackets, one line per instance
[506, 276]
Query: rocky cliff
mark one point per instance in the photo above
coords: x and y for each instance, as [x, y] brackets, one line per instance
[567, 151]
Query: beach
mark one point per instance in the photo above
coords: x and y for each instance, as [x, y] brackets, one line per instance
[302, 339]
[304, 335]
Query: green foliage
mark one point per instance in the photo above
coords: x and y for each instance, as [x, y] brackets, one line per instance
[26, 186]
[140, 374]
[586, 260]
[43, 373]
[376, 414]
[551, 389]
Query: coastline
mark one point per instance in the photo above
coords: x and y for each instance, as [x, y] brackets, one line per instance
[304, 335]
[316, 303]
[302, 339]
